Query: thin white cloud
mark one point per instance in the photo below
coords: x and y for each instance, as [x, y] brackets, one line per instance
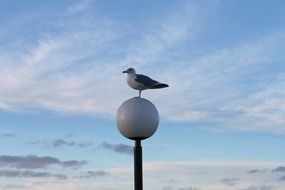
[170, 31]
[216, 91]
[71, 71]
[78, 70]
[265, 108]
[80, 6]
[206, 175]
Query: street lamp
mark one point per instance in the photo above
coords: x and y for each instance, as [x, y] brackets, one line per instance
[137, 119]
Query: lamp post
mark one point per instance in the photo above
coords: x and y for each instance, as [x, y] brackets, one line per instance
[137, 119]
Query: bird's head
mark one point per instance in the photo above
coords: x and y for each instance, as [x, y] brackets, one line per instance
[130, 71]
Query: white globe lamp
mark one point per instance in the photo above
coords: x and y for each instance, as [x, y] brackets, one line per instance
[137, 119]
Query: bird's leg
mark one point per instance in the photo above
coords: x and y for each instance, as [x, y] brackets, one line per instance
[140, 93]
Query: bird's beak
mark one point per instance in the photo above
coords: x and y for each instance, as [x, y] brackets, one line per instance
[124, 71]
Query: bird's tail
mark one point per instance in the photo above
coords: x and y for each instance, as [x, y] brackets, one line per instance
[159, 85]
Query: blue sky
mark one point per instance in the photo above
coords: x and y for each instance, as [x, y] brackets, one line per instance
[222, 121]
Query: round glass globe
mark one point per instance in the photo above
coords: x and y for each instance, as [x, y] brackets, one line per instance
[137, 119]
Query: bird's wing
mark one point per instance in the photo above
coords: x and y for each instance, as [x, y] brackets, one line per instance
[145, 80]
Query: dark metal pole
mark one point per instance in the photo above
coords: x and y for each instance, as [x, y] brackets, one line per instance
[138, 165]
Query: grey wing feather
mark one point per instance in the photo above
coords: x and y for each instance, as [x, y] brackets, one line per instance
[145, 80]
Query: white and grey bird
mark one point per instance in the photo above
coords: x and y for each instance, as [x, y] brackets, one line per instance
[141, 82]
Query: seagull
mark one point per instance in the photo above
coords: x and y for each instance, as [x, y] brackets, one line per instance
[142, 82]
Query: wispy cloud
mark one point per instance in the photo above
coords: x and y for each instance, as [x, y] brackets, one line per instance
[7, 135]
[62, 63]
[279, 169]
[168, 188]
[205, 175]
[66, 64]
[43, 144]
[30, 174]
[73, 163]
[36, 162]
[93, 174]
[118, 148]
[180, 188]
[218, 93]
[230, 181]
[260, 188]
[60, 142]
[188, 188]
[78, 69]
[80, 6]
[256, 171]
[194, 175]
[57, 143]
[13, 186]
[28, 162]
